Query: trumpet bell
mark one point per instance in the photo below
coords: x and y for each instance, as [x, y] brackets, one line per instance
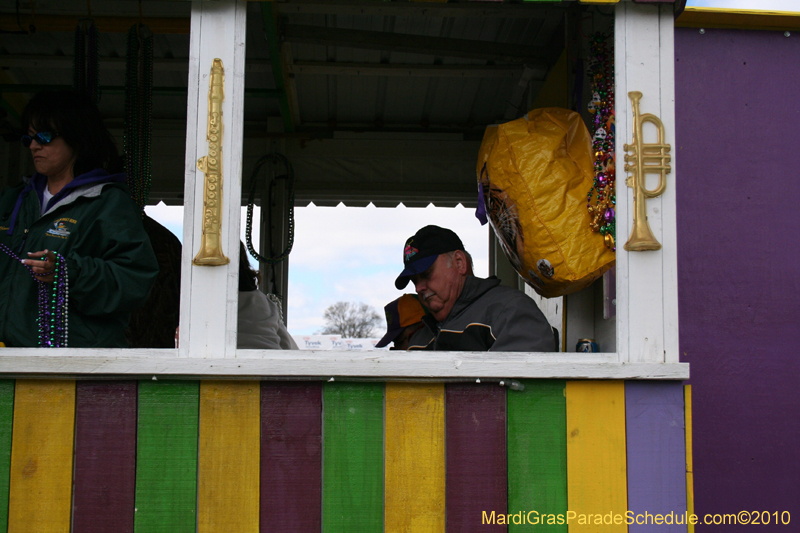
[642, 239]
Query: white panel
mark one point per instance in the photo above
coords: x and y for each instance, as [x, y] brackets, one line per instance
[553, 311]
[646, 281]
[383, 365]
[669, 198]
[622, 129]
[209, 294]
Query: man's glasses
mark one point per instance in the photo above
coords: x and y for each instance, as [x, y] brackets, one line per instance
[43, 137]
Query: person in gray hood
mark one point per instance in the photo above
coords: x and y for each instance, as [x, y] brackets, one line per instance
[467, 313]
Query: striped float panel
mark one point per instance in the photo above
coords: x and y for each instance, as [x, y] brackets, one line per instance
[249, 456]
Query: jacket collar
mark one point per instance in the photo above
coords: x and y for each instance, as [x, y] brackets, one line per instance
[83, 185]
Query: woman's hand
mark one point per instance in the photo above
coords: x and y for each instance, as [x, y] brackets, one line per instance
[43, 265]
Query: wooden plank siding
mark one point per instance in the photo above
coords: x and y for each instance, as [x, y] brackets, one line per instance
[656, 454]
[596, 469]
[352, 488]
[341, 456]
[477, 472]
[537, 455]
[6, 421]
[41, 456]
[105, 456]
[291, 457]
[687, 408]
[414, 456]
[166, 457]
[228, 463]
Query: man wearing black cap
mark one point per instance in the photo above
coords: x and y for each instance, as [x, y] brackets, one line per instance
[467, 313]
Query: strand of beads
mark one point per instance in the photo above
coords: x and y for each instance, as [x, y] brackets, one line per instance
[251, 202]
[79, 67]
[93, 65]
[53, 299]
[602, 208]
[137, 138]
[86, 72]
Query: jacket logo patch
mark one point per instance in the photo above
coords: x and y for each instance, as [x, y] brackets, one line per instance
[60, 228]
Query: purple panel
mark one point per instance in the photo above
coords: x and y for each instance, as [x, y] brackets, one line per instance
[291, 457]
[477, 473]
[738, 138]
[656, 448]
[105, 456]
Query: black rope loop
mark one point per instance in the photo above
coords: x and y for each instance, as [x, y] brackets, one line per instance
[274, 158]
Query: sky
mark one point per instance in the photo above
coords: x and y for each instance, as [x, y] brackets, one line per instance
[352, 254]
[776, 5]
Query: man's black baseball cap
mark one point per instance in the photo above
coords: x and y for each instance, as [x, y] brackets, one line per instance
[421, 251]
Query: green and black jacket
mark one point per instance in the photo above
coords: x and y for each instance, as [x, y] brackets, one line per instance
[111, 266]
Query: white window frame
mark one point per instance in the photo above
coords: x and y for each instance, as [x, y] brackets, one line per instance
[647, 298]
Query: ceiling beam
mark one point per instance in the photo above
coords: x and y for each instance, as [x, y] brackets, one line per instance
[408, 70]
[112, 63]
[16, 88]
[423, 9]
[416, 44]
[67, 23]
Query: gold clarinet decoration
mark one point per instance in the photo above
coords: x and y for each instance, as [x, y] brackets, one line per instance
[646, 158]
[210, 253]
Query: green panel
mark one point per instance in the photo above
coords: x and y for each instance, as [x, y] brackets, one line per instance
[352, 487]
[6, 423]
[166, 457]
[537, 452]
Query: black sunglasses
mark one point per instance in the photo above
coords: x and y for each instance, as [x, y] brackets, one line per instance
[43, 137]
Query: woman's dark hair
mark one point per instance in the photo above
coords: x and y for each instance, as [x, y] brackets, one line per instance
[248, 278]
[73, 116]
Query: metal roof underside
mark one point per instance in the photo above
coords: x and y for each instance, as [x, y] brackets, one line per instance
[385, 102]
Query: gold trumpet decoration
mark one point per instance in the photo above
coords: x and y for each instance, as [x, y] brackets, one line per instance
[210, 253]
[646, 158]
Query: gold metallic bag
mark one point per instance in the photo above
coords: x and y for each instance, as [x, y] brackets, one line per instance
[534, 174]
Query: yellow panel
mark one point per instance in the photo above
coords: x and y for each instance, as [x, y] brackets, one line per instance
[415, 469]
[749, 19]
[229, 451]
[596, 460]
[41, 456]
[687, 395]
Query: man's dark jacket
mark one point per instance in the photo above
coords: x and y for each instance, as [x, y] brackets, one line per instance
[487, 317]
[96, 226]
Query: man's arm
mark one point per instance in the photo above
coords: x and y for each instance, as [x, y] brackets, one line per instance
[520, 326]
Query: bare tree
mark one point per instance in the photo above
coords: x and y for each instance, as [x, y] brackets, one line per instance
[350, 320]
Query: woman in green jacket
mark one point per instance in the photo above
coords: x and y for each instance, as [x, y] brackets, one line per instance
[74, 258]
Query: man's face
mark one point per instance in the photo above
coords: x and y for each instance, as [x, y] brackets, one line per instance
[440, 286]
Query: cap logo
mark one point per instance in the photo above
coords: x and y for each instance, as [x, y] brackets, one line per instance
[409, 252]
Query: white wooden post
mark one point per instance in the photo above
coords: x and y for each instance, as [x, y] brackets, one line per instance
[647, 282]
[209, 295]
